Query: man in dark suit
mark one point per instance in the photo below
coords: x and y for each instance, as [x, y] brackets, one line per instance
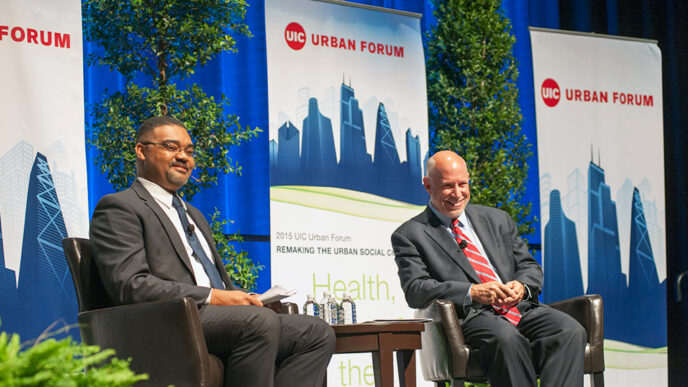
[149, 245]
[472, 255]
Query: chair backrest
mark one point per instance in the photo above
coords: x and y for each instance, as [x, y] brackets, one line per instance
[90, 292]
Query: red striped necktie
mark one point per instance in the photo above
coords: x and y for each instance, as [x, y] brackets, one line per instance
[483, 268]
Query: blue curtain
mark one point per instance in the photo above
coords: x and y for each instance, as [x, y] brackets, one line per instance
[243, 78]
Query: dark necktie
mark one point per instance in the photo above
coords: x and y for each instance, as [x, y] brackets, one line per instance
[192, 238]
[482, 267]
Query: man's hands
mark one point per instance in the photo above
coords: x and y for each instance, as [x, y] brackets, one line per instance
[232, 297]
[499, 294]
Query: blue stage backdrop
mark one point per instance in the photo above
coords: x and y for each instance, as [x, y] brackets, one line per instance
[242, 77]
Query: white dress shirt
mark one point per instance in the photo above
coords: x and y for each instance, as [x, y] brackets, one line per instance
[164, 200]
[467, 229]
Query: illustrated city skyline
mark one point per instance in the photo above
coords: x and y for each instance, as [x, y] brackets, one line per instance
[634, 310]
[308, 156]
[44, 292]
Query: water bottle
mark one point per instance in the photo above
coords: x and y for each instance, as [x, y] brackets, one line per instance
[325, 307]
[333, 309]
[311, 308]
[347, 314]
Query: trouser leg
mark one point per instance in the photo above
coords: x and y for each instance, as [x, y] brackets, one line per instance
[248, 338]
[501, 349]
[557, 344]
[305, 349]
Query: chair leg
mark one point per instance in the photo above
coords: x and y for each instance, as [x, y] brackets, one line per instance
[597, 379]
[457, 383]
[441, 384]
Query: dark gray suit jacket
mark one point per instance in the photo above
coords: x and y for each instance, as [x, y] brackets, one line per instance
[140, 254]
[431, 265]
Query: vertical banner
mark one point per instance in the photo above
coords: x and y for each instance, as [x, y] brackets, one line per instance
[42, 161]
[601, 159]
[348, 140]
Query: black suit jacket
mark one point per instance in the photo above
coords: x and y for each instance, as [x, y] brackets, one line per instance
[432, 266]
[140, 254]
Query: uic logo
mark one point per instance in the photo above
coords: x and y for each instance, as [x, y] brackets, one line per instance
[550, 92]
[295, 36]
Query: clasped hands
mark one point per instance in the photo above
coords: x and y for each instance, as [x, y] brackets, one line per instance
[498, 294]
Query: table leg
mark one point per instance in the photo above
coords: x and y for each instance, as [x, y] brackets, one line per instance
[383, 362]
[406, 365]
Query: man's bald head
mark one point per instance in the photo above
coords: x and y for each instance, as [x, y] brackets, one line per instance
[447, 183]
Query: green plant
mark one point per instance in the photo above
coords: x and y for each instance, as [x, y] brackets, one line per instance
[62, 362]
[473, 102]
[242, 269]
[163, 42]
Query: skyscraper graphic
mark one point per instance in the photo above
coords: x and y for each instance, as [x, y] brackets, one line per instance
[562, 261]
[645, 293]
[604, 259]
[272, 150]
[316, 163]
[386, 155]
[317, 156]
[46, 290]
[15, 167]
[352, 133]
[8, 294]
[413, 155]
[288, 148]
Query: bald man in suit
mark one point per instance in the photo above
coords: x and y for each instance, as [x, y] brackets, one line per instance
[512, 336]
[150, 245]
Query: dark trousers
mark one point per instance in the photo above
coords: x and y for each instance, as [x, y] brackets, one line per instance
[546, 342]
[264, 349]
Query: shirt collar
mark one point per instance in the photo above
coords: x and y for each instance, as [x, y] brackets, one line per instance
[446, 221]
[161, 195]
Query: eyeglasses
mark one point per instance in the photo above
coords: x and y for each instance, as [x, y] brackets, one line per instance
[173, 148]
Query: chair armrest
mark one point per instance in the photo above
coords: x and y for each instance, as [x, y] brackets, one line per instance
[288, 308]
[163, 338]
[444, 355]
[588, 310]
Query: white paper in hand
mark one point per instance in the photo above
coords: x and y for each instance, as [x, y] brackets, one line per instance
[275, 293]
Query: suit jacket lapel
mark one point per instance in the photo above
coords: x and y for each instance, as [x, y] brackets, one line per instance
[486, 236]
[438, 233]
[171, 231]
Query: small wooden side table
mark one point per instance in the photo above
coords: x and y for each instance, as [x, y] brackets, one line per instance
[382, 339]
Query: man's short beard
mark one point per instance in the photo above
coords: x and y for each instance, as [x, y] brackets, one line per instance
[176, 178]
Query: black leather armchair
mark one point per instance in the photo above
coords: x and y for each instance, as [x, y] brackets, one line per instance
[164, 338]
[445, 357]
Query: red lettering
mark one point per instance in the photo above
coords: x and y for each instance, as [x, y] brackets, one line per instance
[352, 44]
[3, 31]
[49, 40]
[594, 97]
[14, 36]
[324, 41]
[380, 48]
[62, 40]
[363, 45]
[569, 94]
[638, 100]
[578, 95]
[647, 100]
[399, 52]
[388, 50]
[615, 97]
[586, 96]
[629, 98]
[32, 35]
[603, 96]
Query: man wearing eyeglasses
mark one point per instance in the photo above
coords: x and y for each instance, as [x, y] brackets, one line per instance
[149, 245]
